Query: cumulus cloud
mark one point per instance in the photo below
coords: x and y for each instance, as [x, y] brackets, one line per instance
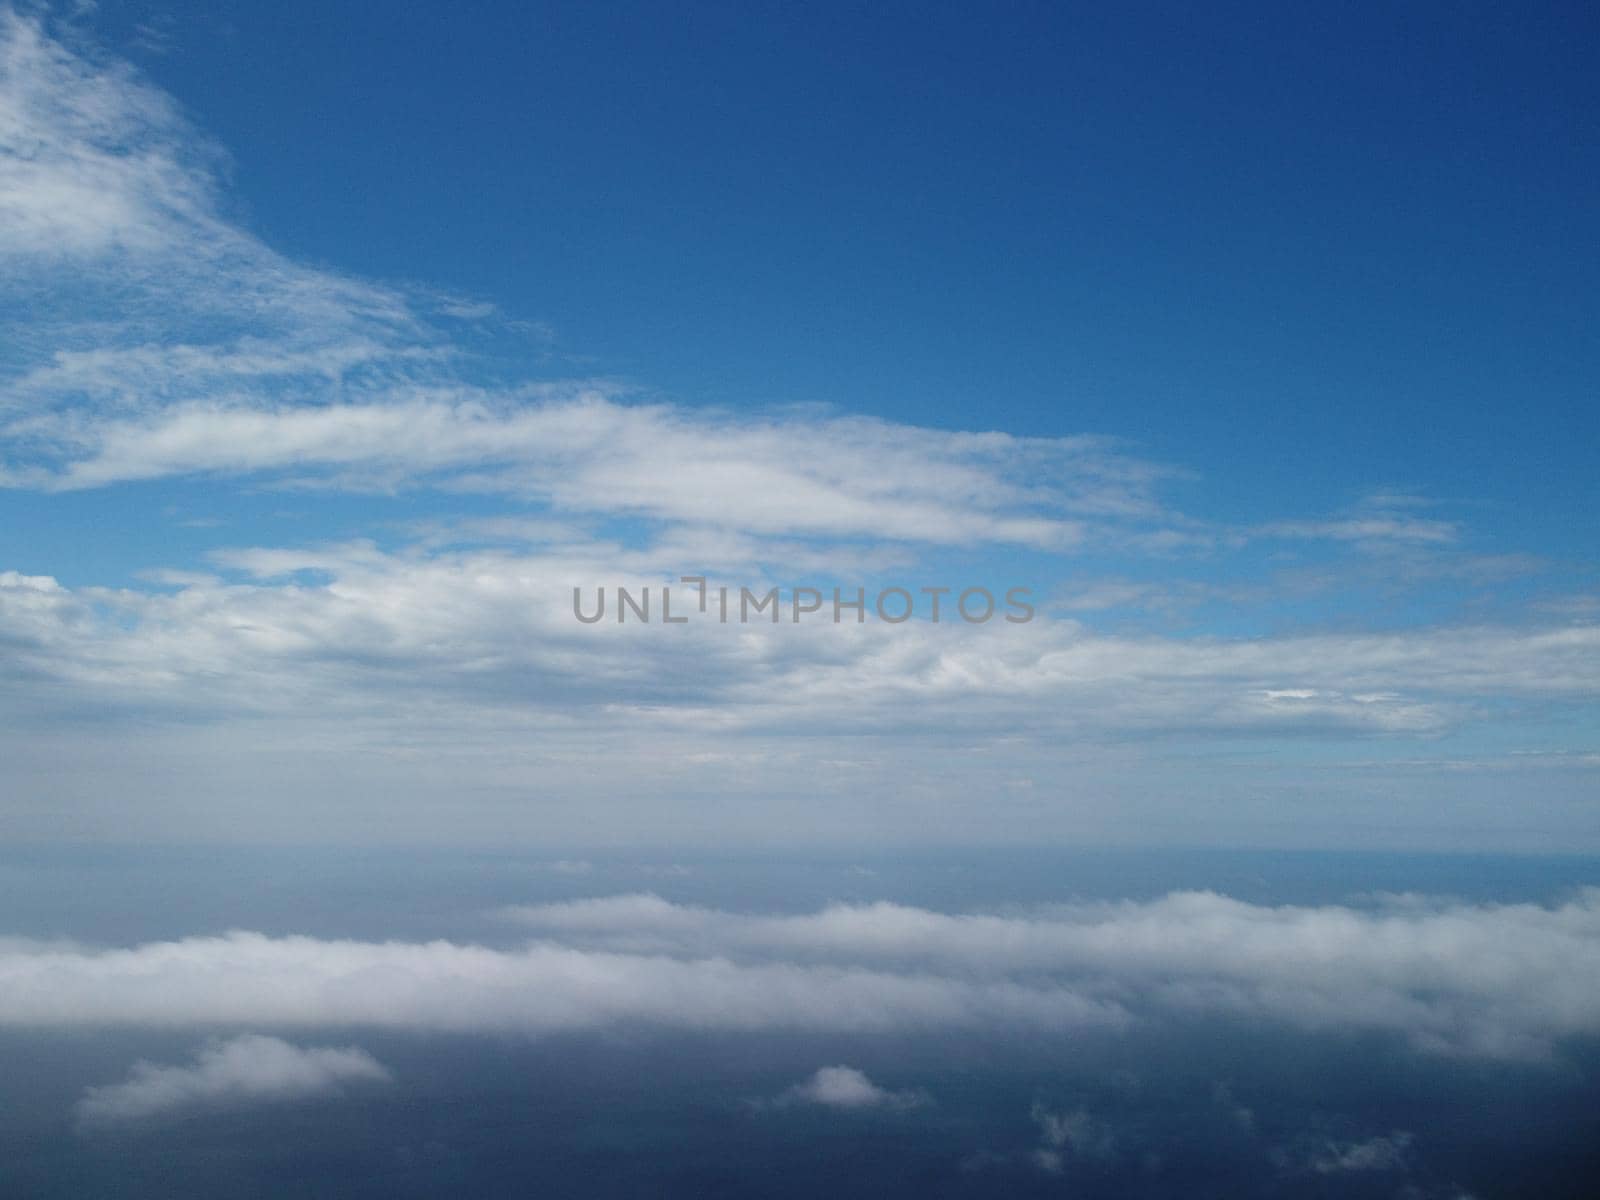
[848, 1088]
[248, 1069]
[1489, 980]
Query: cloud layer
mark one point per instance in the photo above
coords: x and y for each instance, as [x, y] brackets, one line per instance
[356, 626]
[1491, 980]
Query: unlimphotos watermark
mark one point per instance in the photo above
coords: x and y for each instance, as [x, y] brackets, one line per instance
[742, 605]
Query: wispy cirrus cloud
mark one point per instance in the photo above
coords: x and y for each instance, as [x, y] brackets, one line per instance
[1370, 529]
[164, 339]
[810, 474]
[116, 228]
[156, 336]
[93, 161]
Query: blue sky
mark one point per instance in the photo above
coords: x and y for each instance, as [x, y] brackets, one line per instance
[338, 350]
[1354, 252]
[342, 344]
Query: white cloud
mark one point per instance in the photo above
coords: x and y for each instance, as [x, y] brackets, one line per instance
[248, 1069]
[459, 670]
[109, 195]
[250, 979]
[584, 452]
[1493, 979]
[128, 289]
[1488, 980]
[89, 159]
[357, 629]
[848, 1088]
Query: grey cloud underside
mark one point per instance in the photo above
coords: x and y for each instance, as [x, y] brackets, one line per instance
[1491, 980]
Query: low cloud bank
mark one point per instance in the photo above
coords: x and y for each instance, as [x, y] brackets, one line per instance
[250, 979]
[1502, 980]
[1493, 980]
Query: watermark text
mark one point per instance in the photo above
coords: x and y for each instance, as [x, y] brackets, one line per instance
[725, 605]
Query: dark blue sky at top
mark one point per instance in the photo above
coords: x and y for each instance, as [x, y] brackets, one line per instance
[1304, 252]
